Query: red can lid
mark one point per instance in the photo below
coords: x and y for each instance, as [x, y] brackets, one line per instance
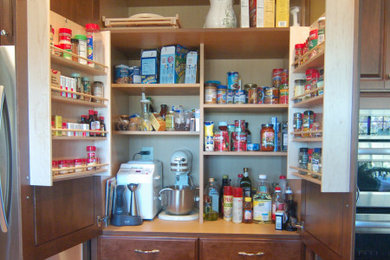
[63, 124]
[65, 30]
[282, 177]
[228, 190]
[65, 46]
[90, 112]
[91, 148]
[237, 192]
[54, 163]
[277, 188]
[92, 27]
[101, 118]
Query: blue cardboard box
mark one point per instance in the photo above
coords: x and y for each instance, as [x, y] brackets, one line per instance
[149, 67]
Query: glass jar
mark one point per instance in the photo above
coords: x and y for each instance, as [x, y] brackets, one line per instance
[163, 110]
[78, 163]
[303, 159]
[97, 91]
[86, 88]
[267, 138]
[71, 165]
[297, 122]
[271, 95]
[310, 155]
[79, 85]
[251, 92]
[82, 47]
[307, 122]
[299, 88]
[170, 121]
[63, 165]
[54, 166]
[210, 93]
[91, 164]
[91, 152]
[222, 94]
[316, 160]
[321, 30]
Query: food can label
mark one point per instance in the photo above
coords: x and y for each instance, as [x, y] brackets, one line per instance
[227, 207]
[240, 97]
[233, 81]
[268, 139]
[283, 99]
[209, 143]
[262, 210]
[260, 95]
[221, 96]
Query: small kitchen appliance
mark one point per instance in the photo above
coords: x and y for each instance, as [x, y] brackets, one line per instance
[120, 216]
[148, 176]
[180, 198]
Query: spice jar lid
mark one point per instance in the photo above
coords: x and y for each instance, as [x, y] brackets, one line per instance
[78, 160]
[80, 37]
[91, 148]
[92, 27]
[101, 118]
[282, 177]
[90, 112]
[65, 30]
[73, 40]
[237, 192]
[277, 189]
[322, 18]
[317, 150]
[267, 125]
[85, 79]
[211, 179]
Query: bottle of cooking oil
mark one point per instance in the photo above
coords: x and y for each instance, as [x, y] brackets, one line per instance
[262, 202]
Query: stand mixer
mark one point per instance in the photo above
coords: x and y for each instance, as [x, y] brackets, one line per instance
[179, 199]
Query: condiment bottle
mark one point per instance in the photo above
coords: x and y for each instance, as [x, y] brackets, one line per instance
[290, 211]
[102, 126]
[239, 177]
[227, 203]
[225, 182]
[277, 202]
[90, 121]
[213, 196]
[237, 205]
[262, 202]
[248, 213]
[163, 111]
[96, 123]
[246, 183]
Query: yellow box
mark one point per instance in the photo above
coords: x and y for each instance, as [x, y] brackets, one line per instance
[58, 125]
[265, 13]
[157, 122]
[282, 13]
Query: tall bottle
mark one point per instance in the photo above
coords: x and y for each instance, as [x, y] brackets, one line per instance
[283, 185]
[102, 126]
[96, 123]
[291, 211]
[262, 202]
[225, 182]
[246, 184]
[277, 202]
[212, 193]
[248, 134]
[90, 121]
[237, 205]
[238, 181]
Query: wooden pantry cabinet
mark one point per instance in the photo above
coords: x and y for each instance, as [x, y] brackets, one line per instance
[252, 52]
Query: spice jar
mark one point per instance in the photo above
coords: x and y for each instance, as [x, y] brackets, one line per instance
[82, 47]
[170, 121]
[299, 51]
[251, 92]
[321, 30]
[90, 164]
[307, 122]
[87, 88]
[297, 122]
[267, 138]
[313, 38]
[222, 94]
[299, 89]
[78, 163]
[70, 165]
[63, 165]
[91, 152]
[210, 93]
[54, 166]
[303, 159]
[79, 85]
[97, 91]
[64, 36]
[51, 39]
[316, 161]
[75, 49]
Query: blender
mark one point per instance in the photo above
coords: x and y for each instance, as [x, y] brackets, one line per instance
[179, 199]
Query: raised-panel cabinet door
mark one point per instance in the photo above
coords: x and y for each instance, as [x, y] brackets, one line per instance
[7, 12]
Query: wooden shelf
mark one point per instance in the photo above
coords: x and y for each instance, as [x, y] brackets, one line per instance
[60, 99]
[56, 89]
[308, 139]
[159, 89]
[307, 171]
[143, 3]
[248, 153]
[77, 138]
[77, 66]
[253, 108]
[157, 133]
[311, 102]
[79, 130]
[308, 178]
[77, 175]
[231, 43]
[316, 61]
[306, 132]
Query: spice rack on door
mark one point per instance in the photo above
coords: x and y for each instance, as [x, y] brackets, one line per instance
[304, 139]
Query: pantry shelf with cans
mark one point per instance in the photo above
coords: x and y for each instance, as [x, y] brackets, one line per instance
[185, 89]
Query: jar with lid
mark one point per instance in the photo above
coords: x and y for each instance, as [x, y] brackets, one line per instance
[297, 122]
[251, 92]
[299, 89]
[97, 91]
[87, 88]
[303, 159]
[170, 121]
[321, 29]
[210, 93]
[310, 155]
[299, 51]
[78, 163]
[54, 166]
[307, 122]
[316, 161]
[222, 94]
[71, 165]
[91, 152]
[62, 165]
[79, 85]
[82, 47]
[267, 138]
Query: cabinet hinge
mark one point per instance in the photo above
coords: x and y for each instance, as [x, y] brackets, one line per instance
[102, 221]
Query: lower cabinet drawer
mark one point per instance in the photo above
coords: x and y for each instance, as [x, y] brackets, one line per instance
[213, 249]
[118, 248]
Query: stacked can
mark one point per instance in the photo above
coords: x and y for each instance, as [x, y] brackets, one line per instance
[209, 136]
[239, 137]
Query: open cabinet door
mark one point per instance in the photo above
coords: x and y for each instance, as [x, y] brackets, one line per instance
[329, 217]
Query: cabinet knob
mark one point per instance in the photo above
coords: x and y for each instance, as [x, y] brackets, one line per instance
[153, 251]
[3, 33]
[250, 254]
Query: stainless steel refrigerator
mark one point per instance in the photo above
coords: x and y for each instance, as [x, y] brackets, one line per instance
[10, 231]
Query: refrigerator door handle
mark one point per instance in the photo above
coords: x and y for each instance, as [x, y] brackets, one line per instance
[3, 108]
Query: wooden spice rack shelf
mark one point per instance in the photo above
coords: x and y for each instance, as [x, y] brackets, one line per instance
[315, 61]
[79, 130]
[307, 171]
[307, 132]
[308, 178]
[77, 175]
[308, 139]
[97, 69]
[64, 100]
[78, 93]
[247, 153]
[247, 108]
[77, 138]
[157, 133]
[79, 167]
[310, 103]
[159, 89]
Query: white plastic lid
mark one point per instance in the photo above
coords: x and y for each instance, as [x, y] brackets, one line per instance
[262, 177]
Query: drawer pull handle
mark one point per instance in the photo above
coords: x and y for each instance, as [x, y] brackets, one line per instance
[250, 254]
[153, 251]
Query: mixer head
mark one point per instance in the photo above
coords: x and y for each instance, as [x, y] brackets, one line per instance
[181, 162]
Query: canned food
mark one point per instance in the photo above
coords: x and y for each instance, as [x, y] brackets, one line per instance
[239, 125]
[230, 96]
[283, 94]
[271, 95]
[221, 141]
[239, 142]
[253, 147]
[240, 97]
[221, 94]
[260, 95]
[210, 94]
[251, 91]
[209, 143]
[233, 80]
[121, 74]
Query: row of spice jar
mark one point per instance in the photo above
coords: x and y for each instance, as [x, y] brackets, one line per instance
[81, 45]
[308, 123]
[311, 86]
[310, 159]
[316, 38]
[251, 94]
[78, 84]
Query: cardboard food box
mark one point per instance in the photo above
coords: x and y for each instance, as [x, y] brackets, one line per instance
[149, 67]
[265, 13]
[55, 77]
[191, 67]
[244, 14]
[282, 13]
[157, 122]
[173, 64]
